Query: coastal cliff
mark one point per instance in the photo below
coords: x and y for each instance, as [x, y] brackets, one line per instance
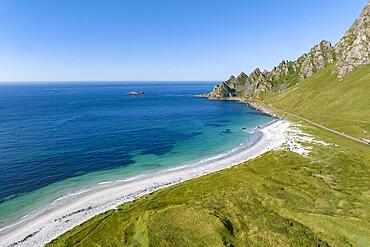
[351, 51]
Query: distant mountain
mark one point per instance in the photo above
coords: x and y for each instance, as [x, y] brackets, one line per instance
[352, 51]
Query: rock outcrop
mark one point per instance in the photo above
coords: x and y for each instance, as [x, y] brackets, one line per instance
[242, 86]
[135, 92]
[353, 49]
[319, 56]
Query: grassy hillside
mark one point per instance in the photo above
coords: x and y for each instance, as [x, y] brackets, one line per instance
[278, 199]
[343, 105]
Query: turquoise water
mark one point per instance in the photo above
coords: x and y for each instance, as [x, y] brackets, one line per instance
[65, 138]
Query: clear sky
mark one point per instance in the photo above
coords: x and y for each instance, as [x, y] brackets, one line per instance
[161, 39]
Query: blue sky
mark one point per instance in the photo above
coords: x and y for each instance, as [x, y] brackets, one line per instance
[161, 39]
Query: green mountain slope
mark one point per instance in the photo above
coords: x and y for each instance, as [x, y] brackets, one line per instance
[343, 105]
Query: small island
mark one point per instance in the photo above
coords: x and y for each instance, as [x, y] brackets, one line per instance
[135, 92]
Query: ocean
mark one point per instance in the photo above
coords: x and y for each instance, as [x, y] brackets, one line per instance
[62, 138]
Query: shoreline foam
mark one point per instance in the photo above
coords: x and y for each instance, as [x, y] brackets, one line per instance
[63, 215]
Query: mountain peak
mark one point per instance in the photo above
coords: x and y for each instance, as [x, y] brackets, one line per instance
[241, 75]
[319, 56]
[232, 77]
[353, 49]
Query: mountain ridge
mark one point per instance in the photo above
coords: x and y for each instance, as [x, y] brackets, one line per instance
[350, 52]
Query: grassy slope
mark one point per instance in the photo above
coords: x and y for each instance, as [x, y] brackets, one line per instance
[278, 199]
[343, 105]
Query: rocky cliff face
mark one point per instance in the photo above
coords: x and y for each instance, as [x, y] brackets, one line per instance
[287, 73]
[318, 57]
[242, 85]
[353, 50]
[290, 72]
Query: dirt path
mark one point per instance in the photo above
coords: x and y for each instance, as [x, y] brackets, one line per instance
[316, 124]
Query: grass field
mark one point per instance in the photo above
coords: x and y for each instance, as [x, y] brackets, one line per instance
[343, 105]
[277, 199]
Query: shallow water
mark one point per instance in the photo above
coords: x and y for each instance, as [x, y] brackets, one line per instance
[60, 139]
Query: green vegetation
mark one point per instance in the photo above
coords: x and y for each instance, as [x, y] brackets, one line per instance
[277, 199]
[343, 105]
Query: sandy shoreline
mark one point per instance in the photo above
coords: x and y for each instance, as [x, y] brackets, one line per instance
[61, 216]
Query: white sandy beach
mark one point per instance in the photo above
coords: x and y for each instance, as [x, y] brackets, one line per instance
[64, 214]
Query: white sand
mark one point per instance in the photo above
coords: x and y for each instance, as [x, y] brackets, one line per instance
[300, 142]
[59, 217]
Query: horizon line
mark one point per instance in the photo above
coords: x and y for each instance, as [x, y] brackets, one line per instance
[56, 81]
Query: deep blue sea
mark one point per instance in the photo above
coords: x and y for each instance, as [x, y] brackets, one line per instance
[59, 138]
